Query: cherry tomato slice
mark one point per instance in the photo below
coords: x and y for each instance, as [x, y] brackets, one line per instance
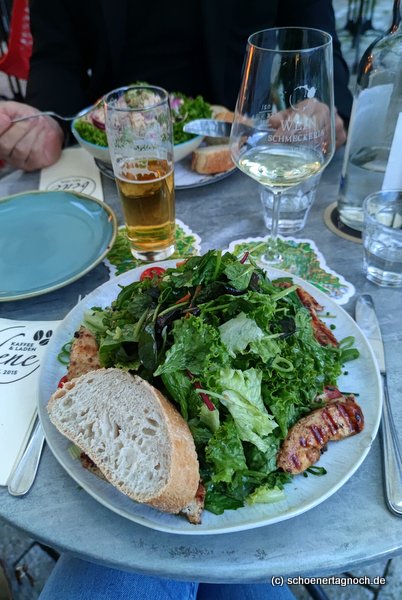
[62, 381]
[152, 273]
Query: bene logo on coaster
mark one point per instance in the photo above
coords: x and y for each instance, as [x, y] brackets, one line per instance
[80, 184]
[75, 171]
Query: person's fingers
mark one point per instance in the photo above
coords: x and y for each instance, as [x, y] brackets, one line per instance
[10, 110]
[340, 131]
[32, 146]
[13, 136]
[5, 122]
[46, 149]
[22, 147]
[313, 116]
[276, 119]
[53, 143]
[16, 109]
[12, 133]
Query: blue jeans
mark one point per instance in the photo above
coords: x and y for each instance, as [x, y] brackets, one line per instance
[74, 579]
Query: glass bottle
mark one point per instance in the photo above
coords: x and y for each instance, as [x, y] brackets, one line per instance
[376, 108]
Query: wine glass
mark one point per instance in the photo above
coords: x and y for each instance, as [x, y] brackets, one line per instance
[283, 130]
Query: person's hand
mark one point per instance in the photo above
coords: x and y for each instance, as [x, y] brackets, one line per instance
[28, 145]
[340, 131]
[308, 117]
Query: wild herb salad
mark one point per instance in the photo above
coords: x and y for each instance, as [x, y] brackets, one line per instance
[236, 353]
[91, 127]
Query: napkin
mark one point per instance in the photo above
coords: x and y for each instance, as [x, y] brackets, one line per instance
[75, 171]
[22, 348]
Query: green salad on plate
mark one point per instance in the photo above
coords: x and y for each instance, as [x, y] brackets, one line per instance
[91, 126]
[236, 354]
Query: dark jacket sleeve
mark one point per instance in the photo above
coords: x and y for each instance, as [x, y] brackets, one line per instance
[320, 14]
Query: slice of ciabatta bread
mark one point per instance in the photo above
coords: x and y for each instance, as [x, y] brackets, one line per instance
[137, 439]
[209, 160]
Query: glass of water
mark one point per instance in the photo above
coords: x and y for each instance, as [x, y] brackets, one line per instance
[294, 206]
[382, 238]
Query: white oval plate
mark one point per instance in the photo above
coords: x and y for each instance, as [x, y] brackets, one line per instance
[184, 177]
[302, 494]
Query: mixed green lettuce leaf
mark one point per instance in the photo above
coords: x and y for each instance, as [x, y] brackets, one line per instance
[236, 353]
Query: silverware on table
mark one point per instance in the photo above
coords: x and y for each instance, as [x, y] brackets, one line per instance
[51, 113]
[366, 319]
[208, 127]
[45, 113]
[24, 474]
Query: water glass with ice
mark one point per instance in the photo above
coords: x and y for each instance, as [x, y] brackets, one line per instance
[382, 238]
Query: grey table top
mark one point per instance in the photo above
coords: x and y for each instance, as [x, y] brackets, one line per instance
[353, 527]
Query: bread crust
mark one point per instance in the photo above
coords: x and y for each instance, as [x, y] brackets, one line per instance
[183, 476]
[182, 484]
[225, 115]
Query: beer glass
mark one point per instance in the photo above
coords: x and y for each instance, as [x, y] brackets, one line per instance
[140, 139]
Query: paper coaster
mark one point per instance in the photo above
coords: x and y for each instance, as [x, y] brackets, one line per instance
[119, 259]
[333, 222]
[301, 258]
[75, 171]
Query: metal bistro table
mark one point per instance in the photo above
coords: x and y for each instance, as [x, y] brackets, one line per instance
[353, 527]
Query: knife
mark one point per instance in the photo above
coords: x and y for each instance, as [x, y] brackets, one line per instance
[209, 127]
[24, 474]
[366, 319]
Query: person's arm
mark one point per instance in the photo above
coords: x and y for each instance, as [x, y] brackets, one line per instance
[57, 80]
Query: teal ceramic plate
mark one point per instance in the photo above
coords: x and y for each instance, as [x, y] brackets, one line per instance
[50, 239]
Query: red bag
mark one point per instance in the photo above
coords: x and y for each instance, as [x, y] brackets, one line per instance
[16, 60]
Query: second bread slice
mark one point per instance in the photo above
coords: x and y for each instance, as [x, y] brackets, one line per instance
[209, 160]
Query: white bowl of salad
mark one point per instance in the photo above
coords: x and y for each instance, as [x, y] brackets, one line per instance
[89, 129]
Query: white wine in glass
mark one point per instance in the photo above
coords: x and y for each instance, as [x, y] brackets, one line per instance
[283, 130]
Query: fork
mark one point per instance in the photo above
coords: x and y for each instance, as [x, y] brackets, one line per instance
[48, 113]
[51, 113]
